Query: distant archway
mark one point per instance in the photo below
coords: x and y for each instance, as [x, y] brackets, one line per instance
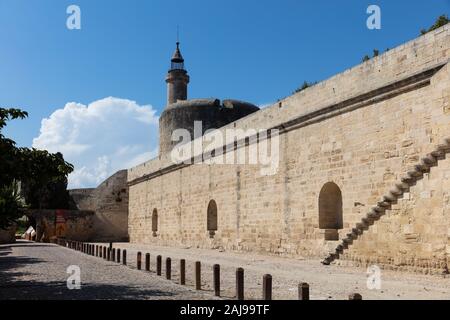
[211, 219]
[330, 210]
[155, 222]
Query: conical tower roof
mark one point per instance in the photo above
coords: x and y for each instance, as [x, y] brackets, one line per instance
[177, 57]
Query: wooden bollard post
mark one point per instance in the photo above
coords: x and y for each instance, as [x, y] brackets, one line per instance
[108, 254]
[118, 255]
[267, 287]
[158, 265]
[216, 280]
[355, 296]
[147, 262]
[139, 260]
[303, 291]
[124, 257]
[240, 284]
[198, 275]
[168, 268]
[104, 252]
[113, 255]
[96, 250]
[182, 272]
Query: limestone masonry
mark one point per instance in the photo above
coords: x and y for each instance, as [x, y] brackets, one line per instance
[363, 175]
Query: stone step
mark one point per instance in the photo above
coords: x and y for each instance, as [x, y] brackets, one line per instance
[390, 198]
[438, 154]
[403, 186]
[396, 192]
[347, 241]
[408, 180]
[444, 147]
[430, 160]
[422, 168]
[384, 204]
[415, 174]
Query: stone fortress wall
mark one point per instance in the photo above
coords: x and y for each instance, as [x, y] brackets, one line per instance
[344, 143]
[109, 204]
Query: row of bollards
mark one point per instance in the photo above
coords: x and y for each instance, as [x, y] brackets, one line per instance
[116, 255]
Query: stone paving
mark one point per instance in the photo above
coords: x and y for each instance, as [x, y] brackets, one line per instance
[39, 271]
[326, 282]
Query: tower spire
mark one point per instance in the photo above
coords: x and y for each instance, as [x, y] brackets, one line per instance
[177, 79]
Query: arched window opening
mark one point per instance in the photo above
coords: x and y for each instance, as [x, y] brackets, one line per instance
[155, 222]
[211, 219]
[330, 210]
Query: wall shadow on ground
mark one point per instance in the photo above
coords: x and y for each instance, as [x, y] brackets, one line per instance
[13, 287]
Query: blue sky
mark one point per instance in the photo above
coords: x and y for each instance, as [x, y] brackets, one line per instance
[252, 50]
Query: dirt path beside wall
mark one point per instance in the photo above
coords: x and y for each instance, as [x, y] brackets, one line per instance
[326, 282]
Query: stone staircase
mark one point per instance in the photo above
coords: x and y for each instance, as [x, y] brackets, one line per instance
[409, 180]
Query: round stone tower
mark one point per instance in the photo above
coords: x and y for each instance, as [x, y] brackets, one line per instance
[177, 79]
[181, 113]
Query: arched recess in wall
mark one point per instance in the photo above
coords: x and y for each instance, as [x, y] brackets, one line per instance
[211, 219]
[330, 210]
[155, 222]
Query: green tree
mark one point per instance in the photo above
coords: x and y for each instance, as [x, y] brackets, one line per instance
[440, 21]
[42, 175]
[305, 85]
[45, 184]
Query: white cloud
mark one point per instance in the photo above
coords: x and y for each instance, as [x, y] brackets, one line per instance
[98, 139]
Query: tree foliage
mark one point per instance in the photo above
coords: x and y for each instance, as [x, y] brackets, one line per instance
[42, 176]
[440, 21]
[304, 86]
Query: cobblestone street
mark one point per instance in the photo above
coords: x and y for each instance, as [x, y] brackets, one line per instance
[38, 271]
